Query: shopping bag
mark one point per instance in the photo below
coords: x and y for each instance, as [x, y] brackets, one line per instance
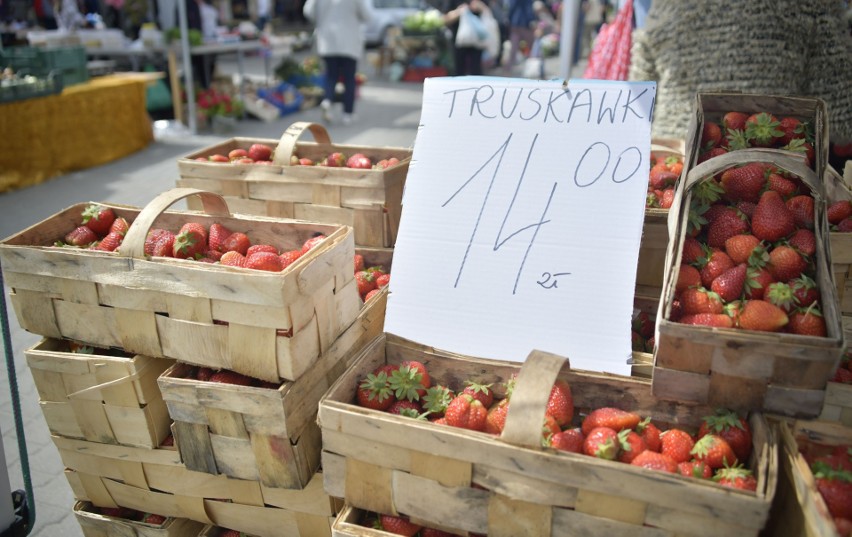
[472, 31]
[610, 56]
[492, 40]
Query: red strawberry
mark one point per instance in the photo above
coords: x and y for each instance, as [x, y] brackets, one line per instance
[711, 135]
[835, 487]
[216, 235]
[312, 242]
[762, 316]
[231, 533]
[807, 322]
[782, 185]
[366, 282]
[436, 400]
[164, 245]
[225, 376]
[375, 392]
[716, 320]
[204, 373]
[728, 224]
[757, 281]
[839, 211]
[410, 381]
[483, 392]
[612, 418]
[119, 225]
[714, 451]
[762, 129]
[715, 265]
[695, 469]
[733, 428]
[643, 324]
[740, 247]
[735, 120]
[632, 445]
[736, 477]
[152, 237]
[190, 242]
[213, 255]
[688, 276]
[781, 294]
[398, 525]
[744, 183]
[359, 262]
[650, 434]
[845, 225]
[168, 441]
[561, 403]
[747, 208]
[667, 198]
[700, 300]
[804, 241]
[660, 177]
[81, 236]
[715, 152]
[842, 375]
[805, 291]
[236, 242]
[289, 257]
[677, 444]
[382, 280]
[792, 129]
[601, 442]
[233, 259]
[151, 518]
[570, 440]
[802, 208]
[495, 419]
[432, 532]
[98, 218]
[692, 251]
[267, 261]
[256, 248]
[785, 263]
[409, 409]
[466, 412]
[111, 242]
[772, 220]
[259, 152]
[655, 461]
[729, 285]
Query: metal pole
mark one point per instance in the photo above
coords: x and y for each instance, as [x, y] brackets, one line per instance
[568, 37]
[186, 58]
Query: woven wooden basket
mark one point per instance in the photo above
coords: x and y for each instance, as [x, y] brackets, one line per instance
[370, 201]
[154, 480]
[841, 243]
[392, 464]
[262, 434]
[94, 524]
[262, 324]
[107, 399]
[747, 370]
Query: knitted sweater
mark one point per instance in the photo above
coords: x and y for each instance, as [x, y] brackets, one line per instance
[775, 47]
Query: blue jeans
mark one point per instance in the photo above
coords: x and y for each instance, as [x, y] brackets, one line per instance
[341, 68]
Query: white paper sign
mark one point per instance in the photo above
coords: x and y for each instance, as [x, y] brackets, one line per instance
[522, 219]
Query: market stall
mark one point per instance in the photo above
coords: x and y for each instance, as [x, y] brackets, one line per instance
[48, 136]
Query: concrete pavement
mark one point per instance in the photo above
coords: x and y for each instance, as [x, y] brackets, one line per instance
[387, 113]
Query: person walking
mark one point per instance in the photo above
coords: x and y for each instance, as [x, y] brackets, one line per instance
[522, 19]
[467, 59]
[340, 43]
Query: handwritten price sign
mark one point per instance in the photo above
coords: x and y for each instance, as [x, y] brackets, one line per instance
[522, 219]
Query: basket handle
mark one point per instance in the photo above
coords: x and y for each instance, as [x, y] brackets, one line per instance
[133, 244]
[529, 399]
[287, 144]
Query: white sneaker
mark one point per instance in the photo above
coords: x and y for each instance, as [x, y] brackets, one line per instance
[348, 119]
[326, 110]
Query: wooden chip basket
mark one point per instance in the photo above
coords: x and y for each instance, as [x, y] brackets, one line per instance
[747, 370]
[800, 510]
[94, 524]
[392, 464]
[262, 434]
[263, 324]
[370, 201]
[154, 480]
[107, 399]
[840, 242]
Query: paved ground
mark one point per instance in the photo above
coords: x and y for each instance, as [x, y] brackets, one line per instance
[388, 114]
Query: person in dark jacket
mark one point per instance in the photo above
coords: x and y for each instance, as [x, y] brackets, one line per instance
[468, 60]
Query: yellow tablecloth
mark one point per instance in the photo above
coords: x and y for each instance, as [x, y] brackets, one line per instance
[84, 126]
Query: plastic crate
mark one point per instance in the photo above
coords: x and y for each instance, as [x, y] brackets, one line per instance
[22, 90]
[68, 63]
[274, 96]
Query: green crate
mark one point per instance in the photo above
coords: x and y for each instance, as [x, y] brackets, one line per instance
[69, 63]
[22, 90]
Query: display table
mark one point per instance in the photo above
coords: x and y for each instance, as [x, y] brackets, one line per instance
[84, 126]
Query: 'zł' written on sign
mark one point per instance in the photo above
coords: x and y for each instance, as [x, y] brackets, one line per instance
[522, 219]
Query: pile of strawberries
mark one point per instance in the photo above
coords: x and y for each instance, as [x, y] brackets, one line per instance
[370, 280]
[226, 376]
[260, 154]
[642, 332]
[843, 374]
[739, 130]
[358, 161]
[99, 229]
[130, 514]
[718, 450]
[401, 525]
[665, 171]
[832, 470]
[748, 260]
[839, 214]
